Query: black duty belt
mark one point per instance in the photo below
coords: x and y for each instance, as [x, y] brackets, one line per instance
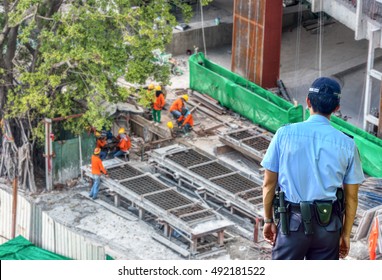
[295, 207]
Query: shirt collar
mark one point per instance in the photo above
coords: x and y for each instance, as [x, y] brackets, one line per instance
[318, 119]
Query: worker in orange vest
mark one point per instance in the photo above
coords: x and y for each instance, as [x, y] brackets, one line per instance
[158, 105]
[123, 145]
[101, 144]
[97, 170]
[186, 121]
[178, 105]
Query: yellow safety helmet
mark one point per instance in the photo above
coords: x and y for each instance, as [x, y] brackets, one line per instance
[97, 151]
[158, 88]
[170, 125]
[97, 134]
[185, 97]
[151, 86]
[121, 130]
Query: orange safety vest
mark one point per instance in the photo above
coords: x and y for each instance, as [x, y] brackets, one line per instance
[97, 166]
[177, 105]
[124, 144]
[188, 120]
[100, 143]
[159, 102]
[373, 240]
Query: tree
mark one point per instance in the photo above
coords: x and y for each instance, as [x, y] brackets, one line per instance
[64, 57]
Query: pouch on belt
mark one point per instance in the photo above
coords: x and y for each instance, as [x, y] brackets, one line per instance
[323, 211]
[306, 216]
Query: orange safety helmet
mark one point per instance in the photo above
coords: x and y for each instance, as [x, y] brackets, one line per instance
[151, 86]
[158, 88]
[97, 151]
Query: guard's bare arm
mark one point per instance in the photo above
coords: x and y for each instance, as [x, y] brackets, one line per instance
[351, 204]
[269, 187]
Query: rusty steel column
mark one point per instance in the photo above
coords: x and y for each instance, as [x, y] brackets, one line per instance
[256, 42]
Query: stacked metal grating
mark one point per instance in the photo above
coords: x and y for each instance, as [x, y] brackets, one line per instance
[213, 177]
[172, 208]
[253, 142]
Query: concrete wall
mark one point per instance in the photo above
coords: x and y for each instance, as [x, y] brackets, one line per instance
[215, 36]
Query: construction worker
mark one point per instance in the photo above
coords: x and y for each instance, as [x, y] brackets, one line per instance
[97, 170]
[178, 105]
[185, 121]
[150, 87]
[158, 106]
[316, 167]
[101, 144]
[123, 145]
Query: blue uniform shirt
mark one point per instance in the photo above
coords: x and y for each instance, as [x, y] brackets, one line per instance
[312, 160]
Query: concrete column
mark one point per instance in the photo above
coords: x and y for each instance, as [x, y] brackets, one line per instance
[221, 238]
[141, 212]
[117, 200]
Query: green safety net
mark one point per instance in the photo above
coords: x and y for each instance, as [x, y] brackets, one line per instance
[270, 111]
[369, 146]
[20, 248]
[240, 95]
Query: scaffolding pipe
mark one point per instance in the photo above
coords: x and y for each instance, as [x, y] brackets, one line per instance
[14, 208]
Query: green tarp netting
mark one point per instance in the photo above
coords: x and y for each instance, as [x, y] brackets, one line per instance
[270, 111]
[240, 95]
[369, 146]
[20, 248]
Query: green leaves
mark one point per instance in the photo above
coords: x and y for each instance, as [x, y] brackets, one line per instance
[68, 61]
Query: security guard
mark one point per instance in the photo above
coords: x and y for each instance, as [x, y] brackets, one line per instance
[310, 162]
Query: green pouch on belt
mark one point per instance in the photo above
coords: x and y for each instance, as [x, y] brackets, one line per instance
[323, 211]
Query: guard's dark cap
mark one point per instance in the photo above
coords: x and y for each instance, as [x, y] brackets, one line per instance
[326, 85]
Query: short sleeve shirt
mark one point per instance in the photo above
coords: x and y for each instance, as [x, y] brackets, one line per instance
[312, 160]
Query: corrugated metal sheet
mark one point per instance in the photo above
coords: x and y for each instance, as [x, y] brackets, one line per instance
[47, 234]
[61, 240]
[23, 217]
[74, 245]
[5, 214]
[39, 228]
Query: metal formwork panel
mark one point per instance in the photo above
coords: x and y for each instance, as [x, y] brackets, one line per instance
[210, 170]
[253, 142]
[123, 172]
[143, 185]
[215, 178]
[197, 216]
[251, 194]
[241, 134]
[148, 193]
[169, 199]
[235, 183]
[259, 143]
[188, 158]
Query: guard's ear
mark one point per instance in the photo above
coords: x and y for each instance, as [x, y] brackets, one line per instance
[336, 109]
[308, 103]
